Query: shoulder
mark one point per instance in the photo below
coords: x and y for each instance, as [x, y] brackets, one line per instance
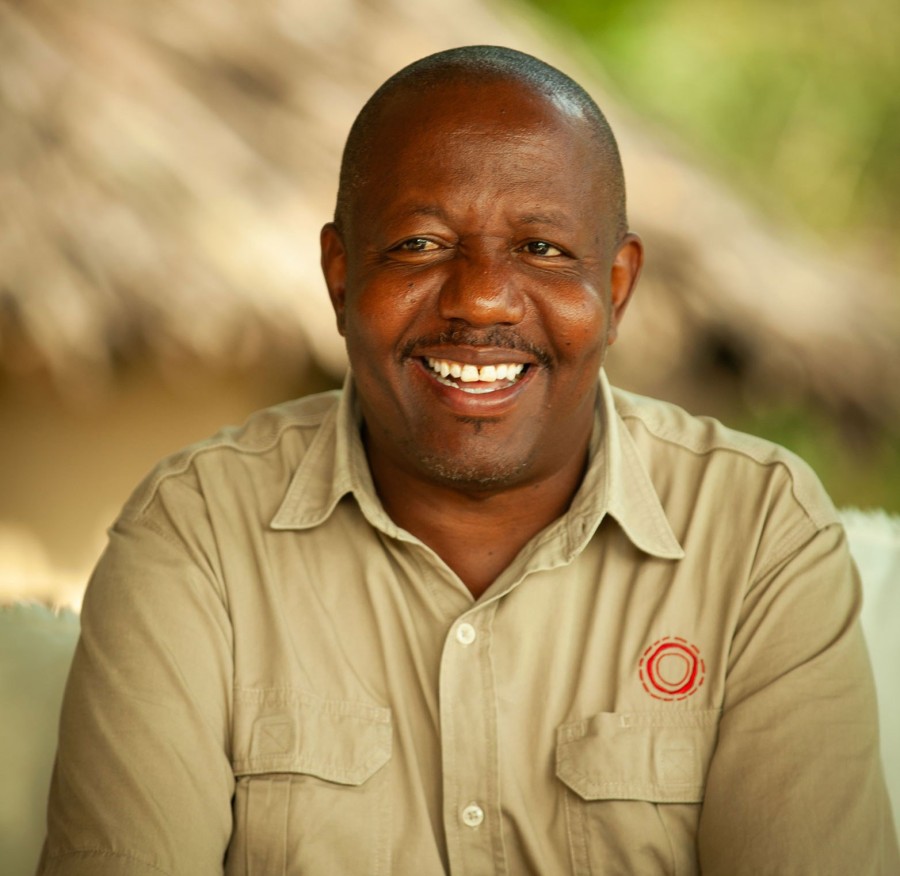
[259, 454]
[703, 469]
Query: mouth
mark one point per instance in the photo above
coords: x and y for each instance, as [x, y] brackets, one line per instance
[474, 379]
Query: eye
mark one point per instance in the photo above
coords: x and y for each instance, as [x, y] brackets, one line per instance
[542, 248]
[417, 244]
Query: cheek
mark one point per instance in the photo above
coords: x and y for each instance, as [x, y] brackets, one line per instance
[372, 323]
[578, 327]
[386, 310]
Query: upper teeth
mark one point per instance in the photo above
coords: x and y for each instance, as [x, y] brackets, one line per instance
[472, 374]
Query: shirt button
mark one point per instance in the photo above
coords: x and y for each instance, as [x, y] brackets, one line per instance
[472, 815]
[465, 634]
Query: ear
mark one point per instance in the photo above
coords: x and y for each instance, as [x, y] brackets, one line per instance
[626, 269]
[334, 267]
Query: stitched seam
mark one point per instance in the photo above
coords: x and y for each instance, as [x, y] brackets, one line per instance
[578, 850]
[365, 712]
[673, 858]
[792, 546]
[650, 789]
[161, 531]
[724, 448]
[221, 444]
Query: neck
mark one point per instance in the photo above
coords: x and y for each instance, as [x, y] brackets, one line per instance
[476, 533]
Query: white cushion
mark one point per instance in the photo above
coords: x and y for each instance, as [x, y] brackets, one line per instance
[874, 538]
[36, 647]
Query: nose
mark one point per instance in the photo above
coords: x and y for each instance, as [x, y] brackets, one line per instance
[482, 290]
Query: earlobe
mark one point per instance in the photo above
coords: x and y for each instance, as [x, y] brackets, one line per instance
[626, 269]
[334, 267]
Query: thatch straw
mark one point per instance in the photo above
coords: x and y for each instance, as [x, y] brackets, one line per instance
[164, 170]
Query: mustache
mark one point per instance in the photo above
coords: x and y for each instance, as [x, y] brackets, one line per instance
[503, 338]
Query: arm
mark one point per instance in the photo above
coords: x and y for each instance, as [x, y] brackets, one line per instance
[142, 783]
[795, 784]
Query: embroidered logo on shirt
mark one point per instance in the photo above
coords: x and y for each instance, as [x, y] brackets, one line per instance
[671, 669]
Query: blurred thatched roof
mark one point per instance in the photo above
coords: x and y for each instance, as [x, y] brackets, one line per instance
[165, 167]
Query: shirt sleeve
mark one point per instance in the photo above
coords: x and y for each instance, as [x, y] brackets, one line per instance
[142, 784]
[795, 784]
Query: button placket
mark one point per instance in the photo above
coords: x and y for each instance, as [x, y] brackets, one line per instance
[469, 743]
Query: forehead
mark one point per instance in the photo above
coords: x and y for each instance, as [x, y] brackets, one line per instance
[468, 134]
[499, 109]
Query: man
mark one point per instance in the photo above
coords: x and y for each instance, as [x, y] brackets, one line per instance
[479, 613]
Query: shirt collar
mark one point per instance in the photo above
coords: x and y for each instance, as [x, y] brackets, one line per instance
[616, 482]
[334, 466]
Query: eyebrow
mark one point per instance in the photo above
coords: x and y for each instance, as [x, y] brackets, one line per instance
[554, 219]
[421, 210]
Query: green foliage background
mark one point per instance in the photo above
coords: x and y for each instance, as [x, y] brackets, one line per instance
[797, 104]
[797, 101]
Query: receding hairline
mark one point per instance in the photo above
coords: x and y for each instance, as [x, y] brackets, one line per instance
[479, 66]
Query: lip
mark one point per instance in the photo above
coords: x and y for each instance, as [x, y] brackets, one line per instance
[465, 404]
[477, 356]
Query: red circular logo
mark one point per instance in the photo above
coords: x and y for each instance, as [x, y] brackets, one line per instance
[671, 669]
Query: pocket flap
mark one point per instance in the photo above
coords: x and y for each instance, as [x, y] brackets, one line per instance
[661, 757]
[290, 731]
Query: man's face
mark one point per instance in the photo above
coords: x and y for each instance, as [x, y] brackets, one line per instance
[478, 283]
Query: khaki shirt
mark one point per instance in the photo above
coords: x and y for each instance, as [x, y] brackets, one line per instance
[273, 678]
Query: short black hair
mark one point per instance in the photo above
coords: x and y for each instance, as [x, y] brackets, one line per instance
[477, 64]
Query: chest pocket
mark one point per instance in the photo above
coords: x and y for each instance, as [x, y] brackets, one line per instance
[311, 789]
[634, 782]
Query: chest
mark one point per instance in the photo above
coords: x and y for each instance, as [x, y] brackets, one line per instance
[567, 717]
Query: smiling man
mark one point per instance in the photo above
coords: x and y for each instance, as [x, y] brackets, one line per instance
[478, 285]
[479, 612]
